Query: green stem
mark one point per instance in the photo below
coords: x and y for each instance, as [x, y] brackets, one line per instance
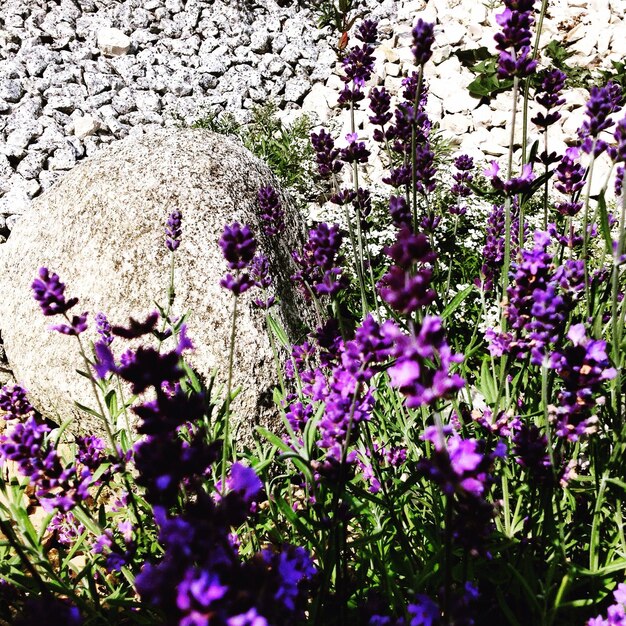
[585, 253]
[418, 95]
[229, 386]
[542, 14]
[617, 328]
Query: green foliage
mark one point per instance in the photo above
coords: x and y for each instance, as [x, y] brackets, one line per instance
[286, 149]
[577, 76]
[340, 14]
[485, 65]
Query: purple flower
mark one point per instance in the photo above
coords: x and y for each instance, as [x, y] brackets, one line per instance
[66, 528]
[367, 31]
[319, 261]
[616, 613]
[77, 325]
[513, 41]
[56, 486]
[539, 300]
[423, 611]
[584, 367]
[14, 403]
[406, 286]
[514, 185]
[326, 154]
[423, 361]
[238, 246]
[570, 179]
[199, 590]
[244, 481]
[620, 139]
[463, 177]
[358, 64]
[603, 101]
[271, 211]
[49, 292]
[530, 448]
[173, 230]
[104, 328]
[293, 568]
[400, 211]
[380, 103]
[423, 39]
[355, 152]
[549, 98]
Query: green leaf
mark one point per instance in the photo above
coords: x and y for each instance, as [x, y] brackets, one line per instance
[275, 440]
[487, 385]
[454, 304]
[278, 330]
[86, 409]
[604, 224]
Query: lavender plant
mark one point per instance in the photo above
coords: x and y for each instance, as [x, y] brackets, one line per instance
[431, 468]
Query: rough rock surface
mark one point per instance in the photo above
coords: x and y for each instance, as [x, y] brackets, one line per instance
[101, 229]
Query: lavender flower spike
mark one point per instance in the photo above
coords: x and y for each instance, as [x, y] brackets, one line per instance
[173, 230]
[423, 40]
[49, 292]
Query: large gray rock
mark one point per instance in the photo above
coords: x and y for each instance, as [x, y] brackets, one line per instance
[100, 228]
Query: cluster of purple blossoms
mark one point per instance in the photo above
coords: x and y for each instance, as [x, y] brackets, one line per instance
[619, 154]
[49, 292]
[200, 580]
[459, 466]
[380, 106]
[584, 367]
[603, 102]
[549, 98]
[270, 211]
[343, 383]
[384, 458]
[347, 392]
[15, 404]
[616, 613]
[462, 469]
[65, 528]
[530, 448]
[173, 230]
[117, 550]
[513, 41]
[407, 285]
[104, 328]
[570, 176]
[260, 274]
[423, 40]
[502, 425]
[320, 262]
[493, 250]
[355, 151]
[423, 362]
[539, 300]
[411, 124]
[463, 177]
[519, 184]
[327, 156]
[26, 444]
[238, 247]
[358, 65]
